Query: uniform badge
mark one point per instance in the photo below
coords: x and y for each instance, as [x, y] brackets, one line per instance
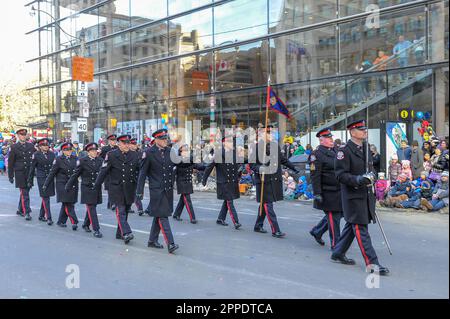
[312, 167]
[144, 155]
[340, 155]
[312, 158]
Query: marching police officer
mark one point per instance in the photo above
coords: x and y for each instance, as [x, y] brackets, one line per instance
[326, 188]
[41, 165]
[112, 145]
[158, 166]
[269, 164]
[63, 167]
[135, 148]
[227, 181]
[19, 164]
[358, 200]
[88, 168]
[184, 173]
[122, 167]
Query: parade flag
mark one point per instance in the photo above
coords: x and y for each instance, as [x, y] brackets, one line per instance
[276, 104]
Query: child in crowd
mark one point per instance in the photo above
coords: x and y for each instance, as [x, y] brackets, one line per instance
[439, 198]
[381, 186]
[418, 198]
[395, 169]
[406, 169]
[398, 192]
[427, 165]
[290, 188]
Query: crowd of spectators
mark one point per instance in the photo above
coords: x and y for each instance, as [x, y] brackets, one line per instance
[417, 177]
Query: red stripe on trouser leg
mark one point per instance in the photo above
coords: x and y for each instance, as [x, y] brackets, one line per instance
[330, 218]
[89, 214]
[45, 208]
[162, 230]
[268, 217]
[68, 215]
[231, 213]
[187, 206]
[358, 237]
[22, 201]
[118, 220]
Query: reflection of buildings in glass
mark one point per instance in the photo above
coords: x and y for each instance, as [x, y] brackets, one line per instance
[181, 85]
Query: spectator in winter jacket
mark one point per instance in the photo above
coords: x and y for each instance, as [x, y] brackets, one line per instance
[406, 169]
[381, 186]
[439, 163]
[404, 152]
[427, 165]
[398, 192]
[394, 170]
[376, 158]
[416, 159]
[290, 189]
[419, 197]
[440, 193]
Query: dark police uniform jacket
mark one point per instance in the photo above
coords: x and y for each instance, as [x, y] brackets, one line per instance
[19, 162]
[358, 202]
[157, 165]
[123, 170]
[88, 168]
[273, 183]
[63, 167]
[41, 165]
[183, 174]
[105, 150]
[227, 176]
[323, 179]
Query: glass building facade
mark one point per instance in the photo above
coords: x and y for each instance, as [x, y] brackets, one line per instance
[167, 62]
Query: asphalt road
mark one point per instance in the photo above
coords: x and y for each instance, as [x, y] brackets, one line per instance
[215, 261]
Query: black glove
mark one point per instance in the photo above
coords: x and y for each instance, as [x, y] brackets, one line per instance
[139, 196]
[11, 180]
[318, 198]
[363, 180]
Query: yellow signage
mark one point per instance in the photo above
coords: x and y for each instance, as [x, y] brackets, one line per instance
[404, 114]
[113, 122]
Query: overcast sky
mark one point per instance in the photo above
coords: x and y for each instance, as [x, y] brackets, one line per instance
[16, 47]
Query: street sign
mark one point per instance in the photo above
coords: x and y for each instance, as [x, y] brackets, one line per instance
[82, 124]
[65, 117]
[84, 109]
[82, 99]
[82, 69]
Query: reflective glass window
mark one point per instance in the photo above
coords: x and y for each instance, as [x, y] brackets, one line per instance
[143, 12]
[191, 75]
[399, 41]
[115, 52]
[304, 55]
[149, 43]
[239, 20]
[178, 6]
[288, 14]
[190, 32]
[114, 17]
[150, 83]
[438, 32]
[242, 66]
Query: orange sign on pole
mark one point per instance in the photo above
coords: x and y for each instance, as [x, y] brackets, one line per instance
[82, 69]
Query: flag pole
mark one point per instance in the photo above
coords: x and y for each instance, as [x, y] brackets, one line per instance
[261, 202]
